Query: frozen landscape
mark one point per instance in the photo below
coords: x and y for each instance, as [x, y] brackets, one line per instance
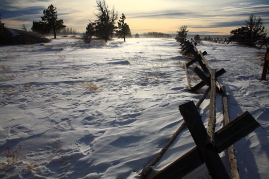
[104, 110]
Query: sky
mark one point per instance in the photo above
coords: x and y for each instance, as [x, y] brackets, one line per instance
[167, 16]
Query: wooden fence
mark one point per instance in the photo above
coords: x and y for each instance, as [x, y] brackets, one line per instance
[208, 141]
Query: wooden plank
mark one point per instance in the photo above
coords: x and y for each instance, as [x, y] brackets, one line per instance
[202, 98]
[187, 76]
[199, 135]
[205, 62]
[219, 88]
[230, 150]
[265, 65]
[212, 111]
[178, 165]
[203, 83]
[190, 48]
[226, 118]
[191, 62]
[235, 130]
[233, 163]
[195, 48]
[202, 76]
[182, 166]
[146, 171]
[198, 86]
[193, 52]
[194, 123]
[201, 63]
[198, 57]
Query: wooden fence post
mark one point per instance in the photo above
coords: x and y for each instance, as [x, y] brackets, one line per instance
[205, 79]
[225, 137]
[147, 170]
[230, 150]
[200, 137]
[212, 111]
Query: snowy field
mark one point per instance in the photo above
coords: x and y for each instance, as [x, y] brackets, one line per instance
[70, 110]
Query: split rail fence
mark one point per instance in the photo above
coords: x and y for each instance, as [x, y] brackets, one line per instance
[208, 141]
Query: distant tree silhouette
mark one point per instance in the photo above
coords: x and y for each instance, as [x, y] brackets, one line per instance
[2, 26]
[49, 22]
[105, 23]
[68, 31]
[124, 30]
[208, 38]
[182, 34]
[156, 35]
[24, 28]
[249, 34]
[197, 38]
[40, 27]
[137, 35]
[90, 31]
[5, 34]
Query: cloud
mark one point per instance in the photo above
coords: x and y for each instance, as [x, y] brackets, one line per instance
[221, 24]
[257, 1]
[225, 12]
[202, 32]
[10, 10]
[160, 14]
[15, 8]
[18, 13]
[20, 9]
[195, 14]
[261, 9]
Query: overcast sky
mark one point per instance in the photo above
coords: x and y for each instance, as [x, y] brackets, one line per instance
[200, 16]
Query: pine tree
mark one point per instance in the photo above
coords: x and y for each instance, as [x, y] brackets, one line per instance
[182, 34]
[105, 21]
[137, 35]
[197, 38]
[249, 34]
[5, 34]
[49, 22]
[2, 27]
[124, 30]
[90, 31]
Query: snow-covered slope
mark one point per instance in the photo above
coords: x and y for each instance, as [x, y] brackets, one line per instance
[104, 110]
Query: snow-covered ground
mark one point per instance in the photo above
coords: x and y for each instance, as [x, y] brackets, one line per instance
[104, 110]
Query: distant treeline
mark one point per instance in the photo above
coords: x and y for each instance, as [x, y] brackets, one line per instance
[156, 35]
[68, 31]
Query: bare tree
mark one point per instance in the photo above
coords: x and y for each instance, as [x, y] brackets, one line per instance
[24, 28]
[105, 23]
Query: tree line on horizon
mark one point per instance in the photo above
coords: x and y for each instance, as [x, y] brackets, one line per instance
[104, 27]
[252, 32]
[156, 35]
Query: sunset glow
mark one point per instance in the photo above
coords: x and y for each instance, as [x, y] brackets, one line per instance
[201, 17]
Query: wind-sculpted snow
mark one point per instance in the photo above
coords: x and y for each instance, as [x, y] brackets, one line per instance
[103, 110]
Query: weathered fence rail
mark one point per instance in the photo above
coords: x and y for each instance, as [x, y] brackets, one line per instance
[208, 142]
[234, 131]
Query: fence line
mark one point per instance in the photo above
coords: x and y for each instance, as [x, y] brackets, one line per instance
[208, 142]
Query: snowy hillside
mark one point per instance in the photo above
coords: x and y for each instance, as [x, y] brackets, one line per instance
[72, 110]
